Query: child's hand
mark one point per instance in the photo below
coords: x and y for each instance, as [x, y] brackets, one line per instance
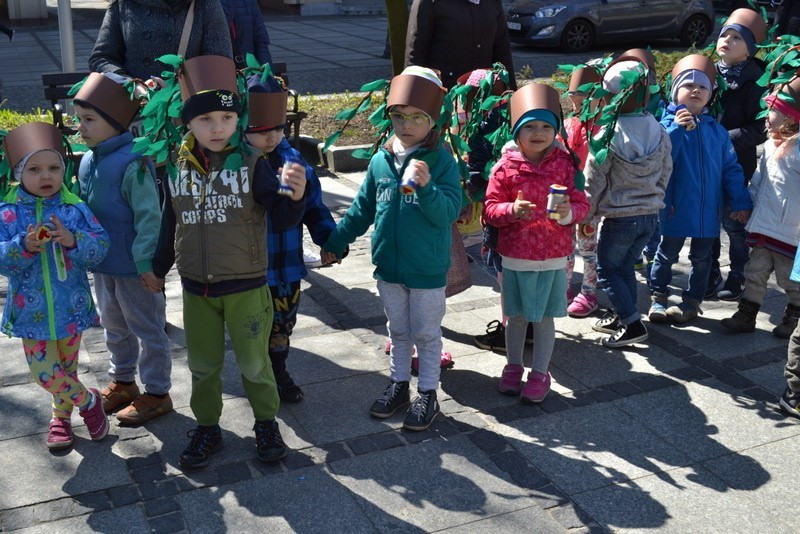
[685, 118]
[564, 208]
[422, 173]
[295, 178]
[61, 234]
[328, 257]
[523, 208]
[151, 282]
[32, 242]
[741, 216]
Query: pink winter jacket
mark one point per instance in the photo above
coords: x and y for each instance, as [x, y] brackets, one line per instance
[539, 238]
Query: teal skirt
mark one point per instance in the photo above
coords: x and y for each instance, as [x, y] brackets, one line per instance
[535, 294]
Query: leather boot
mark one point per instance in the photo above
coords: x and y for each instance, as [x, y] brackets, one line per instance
[788, 323]
[744, 320]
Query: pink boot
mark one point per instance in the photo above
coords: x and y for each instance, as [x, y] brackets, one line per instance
[536, 388]
[511, 380]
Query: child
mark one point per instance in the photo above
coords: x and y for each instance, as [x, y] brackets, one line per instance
[740, 104]
[534, 244]
[214, 230]
[48, 240]
[411, 239]
[774, 226]
[790, 400]
[694, 196]
[285, 269]
[578, 132]
[119, 187]
[627, 191]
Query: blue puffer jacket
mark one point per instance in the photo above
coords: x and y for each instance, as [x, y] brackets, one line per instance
[40, 305]
[705, 169]
[248, 31]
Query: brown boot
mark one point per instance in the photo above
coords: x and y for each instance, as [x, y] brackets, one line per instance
[144, 408]
[788, 323]
[744, 320]
[116, 395]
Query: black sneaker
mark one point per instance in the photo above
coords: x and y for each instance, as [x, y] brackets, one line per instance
[494, 338]
[607, 324]
[395, 397]
[714, 281]
[627, 335]
[269, 442]
[732, 290]
[288, 390]
[206, 440]
[422, 412]
[790, 403]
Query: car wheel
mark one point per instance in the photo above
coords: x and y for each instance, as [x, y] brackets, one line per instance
[695, 30]
[577, 36]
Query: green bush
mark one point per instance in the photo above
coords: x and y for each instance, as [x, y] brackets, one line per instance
[11, 119]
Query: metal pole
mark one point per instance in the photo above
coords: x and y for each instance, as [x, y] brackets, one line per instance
[65, 36]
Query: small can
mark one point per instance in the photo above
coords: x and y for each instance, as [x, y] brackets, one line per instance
[283, 188]
[408, 184]
[557, 195]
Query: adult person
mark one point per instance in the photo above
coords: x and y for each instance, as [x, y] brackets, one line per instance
[247, 29]
[458, 36]
[135, 33]
[788, 20]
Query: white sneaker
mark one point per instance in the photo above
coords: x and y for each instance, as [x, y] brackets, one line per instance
[312, 260]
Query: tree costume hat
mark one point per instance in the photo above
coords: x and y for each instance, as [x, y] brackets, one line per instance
[419, 87]
[208, 83]
[267, 101]
[535, 101]
[750, 25]
[112, 96]
[694, 68]
[583, 79]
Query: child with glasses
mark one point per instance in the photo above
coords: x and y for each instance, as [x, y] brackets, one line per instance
[412, 194]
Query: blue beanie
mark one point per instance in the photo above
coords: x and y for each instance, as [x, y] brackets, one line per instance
[746, 34]
[536, 115]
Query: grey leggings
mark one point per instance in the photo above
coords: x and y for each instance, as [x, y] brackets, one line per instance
[544, 339]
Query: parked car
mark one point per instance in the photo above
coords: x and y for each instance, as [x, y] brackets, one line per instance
[726, 6]
[578, 24]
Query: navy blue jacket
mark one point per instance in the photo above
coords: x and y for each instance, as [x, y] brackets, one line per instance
[248, 31]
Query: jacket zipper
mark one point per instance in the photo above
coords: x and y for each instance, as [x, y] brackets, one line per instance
[48, 288]
[202, 229]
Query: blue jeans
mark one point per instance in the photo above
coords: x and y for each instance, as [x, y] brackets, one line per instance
[738, 251]
[667, 256]
[619, 244]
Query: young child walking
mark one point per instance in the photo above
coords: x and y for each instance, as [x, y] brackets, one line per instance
[119, 186]
[411, 239]
[285, 268]
[48, 240]
[790, 400]
[740, 105]
[214, 230]
[535, 236]
[626, 189]
[704, 171]
[774, 226]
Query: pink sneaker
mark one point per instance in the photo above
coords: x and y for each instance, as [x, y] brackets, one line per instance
[446, 362]
[570, 295]
[582, 305]
[60, 435]
[95, 418]
[511, 380]
[536, 388]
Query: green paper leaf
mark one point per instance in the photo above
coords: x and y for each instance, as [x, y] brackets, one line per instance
[173, 60]
[345, 114]
[374, 86]
[331, 140]
[362, 153]
[233, 162]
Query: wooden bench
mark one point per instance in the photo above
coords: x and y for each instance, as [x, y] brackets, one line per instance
[57, 85]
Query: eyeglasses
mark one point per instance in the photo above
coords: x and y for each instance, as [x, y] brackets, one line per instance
[418, 119]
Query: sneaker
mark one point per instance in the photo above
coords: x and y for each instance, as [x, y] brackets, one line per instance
[511, 380]
[732, 290]
[683, 312]
[312, 260]
[714, 283]
[143, 408]
[445, 362]
[494, 338]
[582, 305]
[658, 308]
[269, 442]
[608, 324]
[116, 395]
[395, 397]
[536, 387]
[629, 334]
[288, 391]
[205, 441]
[95, 418]
[60, 434]
[790, 403]
[422, 412]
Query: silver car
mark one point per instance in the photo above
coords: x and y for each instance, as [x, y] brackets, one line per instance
[578, 24]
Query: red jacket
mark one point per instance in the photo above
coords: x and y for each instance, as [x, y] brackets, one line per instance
[539, 238]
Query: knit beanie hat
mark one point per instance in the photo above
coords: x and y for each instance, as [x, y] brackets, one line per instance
[535, 101]
[208, 83]
[267, 103]
[750, 25]
[420, 87]
[106, 94]
[693, 68]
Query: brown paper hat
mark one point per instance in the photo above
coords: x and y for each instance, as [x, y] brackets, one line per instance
[207, 73]
[751, 20]
[498, 88]
[641, 97]
[32, 137]
[696, 62]
[418, 91]
[108, 97]
[268, 101]
[582, 76]
[641, 55]
[534, 96]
